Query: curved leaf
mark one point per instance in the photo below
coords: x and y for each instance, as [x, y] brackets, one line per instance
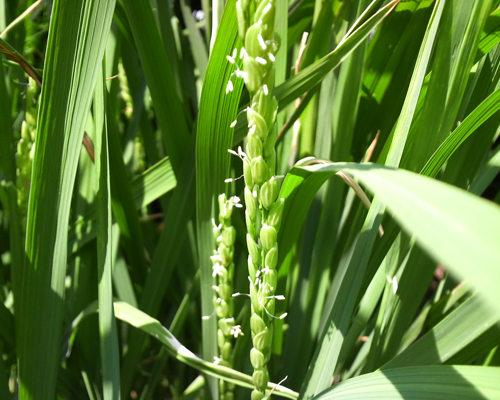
[152, 327]
[470, 320]
[312, 75]
[455, 227]
[429, 382]
[481, 113]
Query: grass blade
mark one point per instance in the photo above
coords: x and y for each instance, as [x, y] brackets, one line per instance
[71, 68]
[310, 76]
[152, 327]
[453, 226]
[110, 359]
[449, 337]
[485, 110]
[437, 382]
[169, 109]
[214, 138]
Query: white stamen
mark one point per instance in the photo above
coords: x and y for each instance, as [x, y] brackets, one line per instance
[243, 52]
[235, 53]
[216, 288]
[229, 87]
[240, 294]
[233, 124]
[218, 270]
[236, 331]
[240, 74]
[261, 60]
[231, 59]
[206, 317]
[218, 301]
[254, 194]
[272, 316]
[266, 90]
[261, 41]
[283, 315]
[277, 297]
[234, 180]
[252, 129]
[241, 154]
[271, 57]
[394, 285]
[266, 9]
[235, 200]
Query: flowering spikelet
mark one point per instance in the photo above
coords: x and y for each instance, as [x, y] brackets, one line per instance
[263, 208]
[223, 271]
[26, 150]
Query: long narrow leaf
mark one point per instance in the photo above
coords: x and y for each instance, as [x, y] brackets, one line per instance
[437, 382]
[110, 359]
[76, 44]
[214, 138]
[310, 76]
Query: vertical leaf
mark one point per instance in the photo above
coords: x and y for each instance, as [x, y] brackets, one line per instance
[169, 109]
[76, 44]
[328, 350]
[110, 360]
[214, 138]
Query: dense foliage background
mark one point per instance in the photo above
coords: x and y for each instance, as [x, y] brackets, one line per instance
[115, 125]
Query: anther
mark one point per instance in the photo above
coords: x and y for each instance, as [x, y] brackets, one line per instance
[240, 294]
[261, 41]
[229, 180]
[240, 74]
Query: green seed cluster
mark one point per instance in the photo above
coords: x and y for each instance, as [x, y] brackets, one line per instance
[223, 270]
[125, 91]
[26, 150]
[263, 208]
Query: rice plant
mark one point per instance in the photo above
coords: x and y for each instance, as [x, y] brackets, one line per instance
[362, 137]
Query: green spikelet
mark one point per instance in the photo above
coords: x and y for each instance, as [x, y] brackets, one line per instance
[125, 91]
[26, 150]
[223, 271]
[263, 208]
